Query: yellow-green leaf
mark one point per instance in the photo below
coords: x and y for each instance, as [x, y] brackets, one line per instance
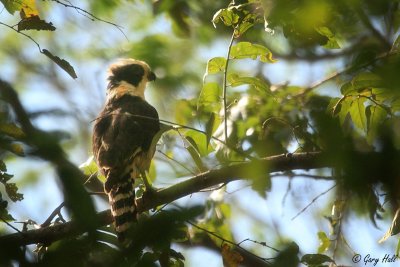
[12, 130]
[227, 16]
[12, 5]
[357, 113]
[234, 80]
[248, 50]
[324, 242]
[375, 115]
[216, 65]
[209, 98]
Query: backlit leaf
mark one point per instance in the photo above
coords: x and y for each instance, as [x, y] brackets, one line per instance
[216, 65]
[344, 111]
[28, 9]
[12, 5]
[199, 141]
[248, 50]
[227, 16]
[11, 130]
[234, 80]
[357, 113]
[332, 42]
[324, 242]
[375, 115]
[209, 99]
[360, 82]
[193, 150]
[211, 126]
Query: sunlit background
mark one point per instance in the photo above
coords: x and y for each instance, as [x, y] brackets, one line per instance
[69, 106]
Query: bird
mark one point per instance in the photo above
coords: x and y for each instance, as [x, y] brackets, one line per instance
[122, 139]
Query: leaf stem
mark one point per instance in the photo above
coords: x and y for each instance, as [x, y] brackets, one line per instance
[224, 88]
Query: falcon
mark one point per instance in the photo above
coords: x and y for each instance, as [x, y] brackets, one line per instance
[122, 138]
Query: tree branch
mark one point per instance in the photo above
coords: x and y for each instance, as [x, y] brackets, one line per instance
[192, 185]
[240, 171]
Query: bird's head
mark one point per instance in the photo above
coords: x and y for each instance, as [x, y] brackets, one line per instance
[129, 76]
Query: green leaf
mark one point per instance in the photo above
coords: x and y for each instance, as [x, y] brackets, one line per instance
[89, 167]
[209, 99]
[248, 50]
[152, 173]
[334, 106]
[12, 5]
[35, 23]
[4, 215]
[11, 130]
[3, 167]
[396, 45]
[324, 242]
[258, 175]
[211, 126]
[357, 113]
[344, 110]
[384, 94]
[261, 184]
[216, 65]
[234, 80]
[199, 141]
[375, 115]
[183, 111]
[314, 260]
[193, 150]
[227, 15]
[395, 105]
[61, 63]
[12, 192]
[364, 80]
[332, 42]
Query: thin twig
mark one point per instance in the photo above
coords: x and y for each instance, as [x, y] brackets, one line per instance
[227, 241]
[24, 34]
[10, 225]
[177, 162]
[313, 201]
[345, 70]
[264, 244]
[90, 15]
[224, 86]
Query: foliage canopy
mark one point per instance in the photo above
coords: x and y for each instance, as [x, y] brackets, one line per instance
[227, 116]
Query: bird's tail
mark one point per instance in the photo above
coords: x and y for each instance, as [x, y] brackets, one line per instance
[123, 207]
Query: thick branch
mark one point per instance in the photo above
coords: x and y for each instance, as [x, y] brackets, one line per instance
[174, 192]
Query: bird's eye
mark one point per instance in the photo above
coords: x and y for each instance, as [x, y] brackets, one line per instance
[151, 76]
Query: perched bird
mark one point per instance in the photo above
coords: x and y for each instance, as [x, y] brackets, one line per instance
[122, 138]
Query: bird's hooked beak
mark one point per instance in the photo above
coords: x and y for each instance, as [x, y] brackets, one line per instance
[151, 76]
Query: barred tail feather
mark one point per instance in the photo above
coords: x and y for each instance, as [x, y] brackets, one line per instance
[123, 207]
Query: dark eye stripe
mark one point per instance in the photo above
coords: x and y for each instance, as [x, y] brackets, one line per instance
[132, 74]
